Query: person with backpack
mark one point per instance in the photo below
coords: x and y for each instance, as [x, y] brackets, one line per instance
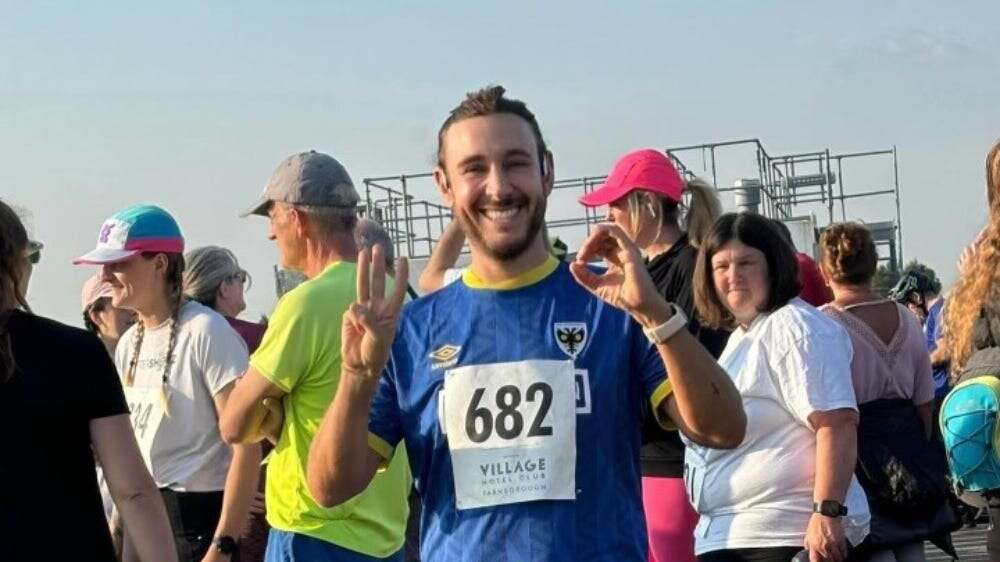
[971, 343]
[891, 373]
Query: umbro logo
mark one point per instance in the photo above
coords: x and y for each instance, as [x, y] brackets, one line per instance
[445, 356]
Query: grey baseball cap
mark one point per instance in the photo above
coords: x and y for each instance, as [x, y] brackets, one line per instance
[308, 178]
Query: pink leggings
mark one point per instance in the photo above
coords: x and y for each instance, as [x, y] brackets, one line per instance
[670, 520]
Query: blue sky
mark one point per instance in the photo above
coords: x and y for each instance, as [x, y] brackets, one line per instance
[191, 106]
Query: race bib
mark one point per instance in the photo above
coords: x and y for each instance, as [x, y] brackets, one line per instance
[694, 478]
[147, 413]
[511, 431]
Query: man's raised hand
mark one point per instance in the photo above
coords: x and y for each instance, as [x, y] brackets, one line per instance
[369, 325]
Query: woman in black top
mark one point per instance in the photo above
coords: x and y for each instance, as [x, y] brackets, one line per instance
[645, 196]
[60, 404]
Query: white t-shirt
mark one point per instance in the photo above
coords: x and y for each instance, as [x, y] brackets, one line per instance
[787, 365]
[186, 452]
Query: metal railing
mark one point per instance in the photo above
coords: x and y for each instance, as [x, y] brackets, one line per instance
[791, 185]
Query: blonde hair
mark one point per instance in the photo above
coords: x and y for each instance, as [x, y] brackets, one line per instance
[982, 282]
[699, 216]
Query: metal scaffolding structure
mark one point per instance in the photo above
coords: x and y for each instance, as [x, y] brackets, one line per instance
[789, 187]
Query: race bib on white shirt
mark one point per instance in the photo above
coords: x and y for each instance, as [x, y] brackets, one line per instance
[147, 413]
[511, 431]
[694, 478]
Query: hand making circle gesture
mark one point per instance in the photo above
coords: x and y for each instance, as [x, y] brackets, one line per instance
[626, 284]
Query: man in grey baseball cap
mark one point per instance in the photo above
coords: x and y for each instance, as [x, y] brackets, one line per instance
[312, 207]
[308, 178]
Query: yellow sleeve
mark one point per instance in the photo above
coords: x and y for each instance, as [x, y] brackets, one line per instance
[659, 396]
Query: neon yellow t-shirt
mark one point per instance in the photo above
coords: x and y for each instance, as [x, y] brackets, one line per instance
[300, 354]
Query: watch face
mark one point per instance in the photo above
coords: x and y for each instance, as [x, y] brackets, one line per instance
[832, 508]
[226, 545]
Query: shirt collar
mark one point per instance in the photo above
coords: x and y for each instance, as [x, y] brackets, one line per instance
[530, 277]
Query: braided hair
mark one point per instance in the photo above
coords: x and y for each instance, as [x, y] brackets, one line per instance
[13, 243]
[175, 275]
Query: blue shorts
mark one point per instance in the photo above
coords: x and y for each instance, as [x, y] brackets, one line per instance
[283, 546]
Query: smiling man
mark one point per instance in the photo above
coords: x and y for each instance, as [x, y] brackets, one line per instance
[516, 391]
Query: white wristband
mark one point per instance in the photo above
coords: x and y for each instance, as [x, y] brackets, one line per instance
[665, 331]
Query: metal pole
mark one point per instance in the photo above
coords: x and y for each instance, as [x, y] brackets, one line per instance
[840, 178]
[406, 216]
[829, 186]
[899, 216]
[715, 179]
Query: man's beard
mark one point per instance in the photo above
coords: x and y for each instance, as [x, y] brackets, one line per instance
[511, 250]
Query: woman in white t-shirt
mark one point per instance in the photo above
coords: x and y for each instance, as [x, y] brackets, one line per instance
[178, 364]
[790, 485]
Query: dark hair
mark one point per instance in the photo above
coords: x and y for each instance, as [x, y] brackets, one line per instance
[848, 253]
[13, 243]
[758, 233]
[97, 306]
[784, 232]
[490, 101]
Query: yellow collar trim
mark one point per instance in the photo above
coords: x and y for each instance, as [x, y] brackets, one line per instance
[530, 277]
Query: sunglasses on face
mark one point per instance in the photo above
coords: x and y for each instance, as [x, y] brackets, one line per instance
[34, 252]
[240, 276]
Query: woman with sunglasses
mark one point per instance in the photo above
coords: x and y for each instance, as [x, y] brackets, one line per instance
[179, 363]
[61, 405]
[214, 278]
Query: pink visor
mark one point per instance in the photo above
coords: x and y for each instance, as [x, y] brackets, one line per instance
[645, 169]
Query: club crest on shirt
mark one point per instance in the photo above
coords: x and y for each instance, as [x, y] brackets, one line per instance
[445, 356]
[571, 337]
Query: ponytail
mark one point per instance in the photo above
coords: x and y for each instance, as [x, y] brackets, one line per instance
[702, 211]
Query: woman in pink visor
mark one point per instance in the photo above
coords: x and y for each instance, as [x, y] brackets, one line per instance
[645, 196]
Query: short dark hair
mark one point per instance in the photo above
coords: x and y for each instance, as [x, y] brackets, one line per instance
[490, 101]
[758, 233]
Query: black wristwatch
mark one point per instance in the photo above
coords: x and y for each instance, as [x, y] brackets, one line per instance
[830, 508]
[225, 544]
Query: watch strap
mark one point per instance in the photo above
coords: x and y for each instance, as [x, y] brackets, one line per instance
[830, 508]
[665, 331]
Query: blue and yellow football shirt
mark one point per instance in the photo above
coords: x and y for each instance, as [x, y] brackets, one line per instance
[520, 409]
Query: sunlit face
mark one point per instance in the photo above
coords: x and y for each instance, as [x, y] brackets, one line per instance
[230, 301]
[741, 280]
[136, 282]
[493, 181]
[642, 233]
[282, 228]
